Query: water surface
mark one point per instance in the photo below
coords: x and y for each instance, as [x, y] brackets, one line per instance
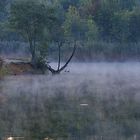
[97, 78]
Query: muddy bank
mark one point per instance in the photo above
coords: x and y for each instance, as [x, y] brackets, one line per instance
[17, 67]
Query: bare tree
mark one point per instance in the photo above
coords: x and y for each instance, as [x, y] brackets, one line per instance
[59, 67]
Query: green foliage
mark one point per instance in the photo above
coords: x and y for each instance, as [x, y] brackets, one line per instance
[28, 17]
[120, 26]
[92, 33]
[41, 63]
[3, 5]
[3, 72]
[103, 19]
[125, 26]
[51, 22]
[67, 3]
[113, 20]
[72, 23]
[134, 22]
[77, 27]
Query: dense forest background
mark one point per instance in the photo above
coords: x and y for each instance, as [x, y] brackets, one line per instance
[105, 29]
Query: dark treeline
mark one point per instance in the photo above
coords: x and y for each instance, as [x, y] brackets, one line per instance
[114, 20]
[88, 22]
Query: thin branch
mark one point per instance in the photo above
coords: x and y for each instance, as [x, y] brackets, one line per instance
[53, 71]
[59, 54]
[68, 61]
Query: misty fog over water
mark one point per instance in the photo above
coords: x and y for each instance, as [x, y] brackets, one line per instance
[100, 78]
[84, 101]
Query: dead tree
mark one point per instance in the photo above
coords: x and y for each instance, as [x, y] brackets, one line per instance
[59, 68]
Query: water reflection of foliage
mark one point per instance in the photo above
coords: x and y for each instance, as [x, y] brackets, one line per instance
[38, 116]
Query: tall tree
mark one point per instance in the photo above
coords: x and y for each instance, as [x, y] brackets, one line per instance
[72, 32]
[29, 18]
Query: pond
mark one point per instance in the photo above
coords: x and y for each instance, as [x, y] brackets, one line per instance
[86, 101]
[104, 78]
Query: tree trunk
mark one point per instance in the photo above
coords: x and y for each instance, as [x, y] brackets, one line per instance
[33, 55]
[33, 59]
[60, 69]
[1, 63]
[31, 40]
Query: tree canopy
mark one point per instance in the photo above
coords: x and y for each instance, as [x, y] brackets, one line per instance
[44, 23]
[30, 18]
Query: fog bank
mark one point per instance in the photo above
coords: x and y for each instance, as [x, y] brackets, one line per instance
[95, 78]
